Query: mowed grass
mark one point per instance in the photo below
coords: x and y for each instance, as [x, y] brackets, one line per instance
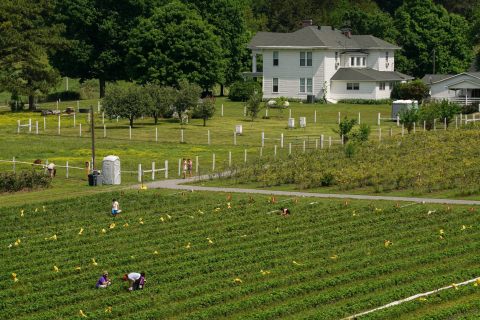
[325, 261]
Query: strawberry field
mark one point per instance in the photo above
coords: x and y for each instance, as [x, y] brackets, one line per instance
[210, 256]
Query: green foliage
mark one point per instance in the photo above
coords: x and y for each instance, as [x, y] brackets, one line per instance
[427, 114]
[439, 110]
[349, 150]
[425, 27]
[27, 37]
[175, 44]
[63, 96]
[242, 90]
[204, 110]
[344, 128]
[415, 90]
[365, 101]
[187, 96]
[163, 100]
[127, 102]
[254, 105]
[360, 133]
[408, 117]
[25, 180]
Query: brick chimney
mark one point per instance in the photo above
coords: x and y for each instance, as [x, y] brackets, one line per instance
[307, 23]
[347, 32]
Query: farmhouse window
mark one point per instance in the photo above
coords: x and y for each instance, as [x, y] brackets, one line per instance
[352, 61]
[275, 58]
[353, 86]
[305, 59]
[306, 85]
[302, 85]
[275, 85]
[381, 86]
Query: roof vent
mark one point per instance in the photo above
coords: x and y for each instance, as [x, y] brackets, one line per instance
[307, 23]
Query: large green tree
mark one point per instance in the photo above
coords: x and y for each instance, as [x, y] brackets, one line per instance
[175, 43]
[428, 29]
[27, 36]
[97, 30]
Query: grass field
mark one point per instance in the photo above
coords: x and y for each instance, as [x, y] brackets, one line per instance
[328, 260]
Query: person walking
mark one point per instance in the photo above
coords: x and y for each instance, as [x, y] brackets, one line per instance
[190, 167]
[184, 168]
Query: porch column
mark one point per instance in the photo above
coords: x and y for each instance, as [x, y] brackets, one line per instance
[254, 62]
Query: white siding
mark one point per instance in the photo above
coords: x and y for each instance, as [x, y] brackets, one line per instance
[338, 90]
[440, 90]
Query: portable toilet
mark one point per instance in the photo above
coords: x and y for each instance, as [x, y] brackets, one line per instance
[399, 105]
[111, 170]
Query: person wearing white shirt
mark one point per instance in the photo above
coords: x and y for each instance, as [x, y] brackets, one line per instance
[135, 280]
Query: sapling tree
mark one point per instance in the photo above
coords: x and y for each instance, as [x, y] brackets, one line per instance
[205, 110]
[254, 105]
[344, 128]
[408, 117]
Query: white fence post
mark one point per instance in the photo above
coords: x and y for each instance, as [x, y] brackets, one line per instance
[245, 156]
[343, 140]
[391, 132]
[179, 167]
[289, 113]
[213, 162]
[18, 126]
[244, 111]
[140, 172]
[166, 169]
[153, 170]
[414, 127]
[379, 134]
[403, 130]
[281, 140]
[339, 117]
[359, 119]
[329, 142]
[36, 127]
[14, 169]
[275, 152]
[263, 139]
[229, 158]
[222, 109]
[30, 125]
[315, 116]
[156, 134]
[289, 148]
[181, 136]
[378, 119]
[304, 146]
[322, 138]
[130, 132]
[66, 167]
[208, 137]
[59, 124]
[445, 123]
[261, 152]
[196, 164]
[98, 106]
[88, 117]
[424, 125]
[57, 104]
[78, 106]
[316, 144]
[434, 124]
[104, 131]
[44, 123]
[80, 129]
[103, 117]
[74, 120]
[398, 120]
[266, 112]
[456, 122]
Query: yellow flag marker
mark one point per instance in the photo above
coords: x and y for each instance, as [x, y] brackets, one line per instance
[441, 231]
[78, 268]
[187, 246]
[217, 209]
[82, 313]
[155, 252]
[21, 213]
[464, 227]
[17, 243]
[296, 263]
[36, 209]
[229, 206]
[210, 241]
[200, 211]
[454, 285]
[237, 280]
[108, 310]
[125, 225]
[422, 299]
[140, 220]
[334, 257]
[112, 225]
[94, 262]
[80, 232]
[104, 231]
[477, 282]
[54, 237]
[264, 272]
[55, 269]
[44, 209]
[168, 216]
[387, 243]
[161, 219]
[14, 277]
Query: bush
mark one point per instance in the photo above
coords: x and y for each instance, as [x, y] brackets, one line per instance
[408, 117]
[25, 180]
[365, 101]
[63, 96]
[438, 110]
[415, 90]
[470, 108]
[345, 127]
[243, 90]
[360, 133]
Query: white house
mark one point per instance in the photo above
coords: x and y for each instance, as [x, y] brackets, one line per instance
[316, 60]
[462, 88]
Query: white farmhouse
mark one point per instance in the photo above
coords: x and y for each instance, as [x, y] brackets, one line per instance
[463, 88]
[318, 62]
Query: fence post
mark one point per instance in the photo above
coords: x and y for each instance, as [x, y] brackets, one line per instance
[315, 116]
[391, 132]
[140, 172]
[153, 170]
[222, 109]
[339, 117]
[245, 156]
[104, 131]
[379, 134]
[414, 127]
[88, 117]
[456, 122]
[80, 129]
[322, 138]
[234, 138]
[329, 142]
[36, 127]
[445, 123]
[78, 106]
[30, 125]
[275, 152]
[213, 162]
[74, 120]
[316, 144]
[208, 137]
[266, 112]
[304, 146]
[179, 167]
[281, 140]
[18, 126]
[14, 169]
[261, 152]
[166, 169]
[424, 125]
[289, 148]
[244, 111]
[398, 120]
[117, 118]
[359, 119]
[57, 104]
[434, 124]
[263, 139]
[130, 132]
[229, 158]
[103, 117]
[403, 130]
[156, 134]
[196, 164]
[59, 124]
[289, 113]
[44, 123]
[98, 106]
[343, 140]
[66, 167]
[378, 119]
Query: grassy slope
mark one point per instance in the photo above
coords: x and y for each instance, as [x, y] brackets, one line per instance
[197, 283]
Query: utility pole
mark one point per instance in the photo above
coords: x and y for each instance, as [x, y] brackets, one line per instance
[434, 57]
[92, 126]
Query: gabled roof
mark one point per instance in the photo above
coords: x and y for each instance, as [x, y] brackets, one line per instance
[368, 74]
[318, 37]
[434, 78]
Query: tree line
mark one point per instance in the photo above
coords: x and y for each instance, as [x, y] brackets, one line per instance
[165, 42]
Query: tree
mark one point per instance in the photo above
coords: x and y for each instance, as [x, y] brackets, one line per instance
[408, 117]
[174, 44]
[96, 31]
[127, 102]
[163, 99]
[254, 105]
[376, 23]
[447, 110]
[415, 90]
[187, 97]
[428, 29]
[27, 37]
[205, 110]
[344, 128]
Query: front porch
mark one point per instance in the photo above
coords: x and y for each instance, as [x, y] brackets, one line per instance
[466, 92]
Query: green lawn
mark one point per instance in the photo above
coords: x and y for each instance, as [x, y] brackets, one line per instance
[328, 260]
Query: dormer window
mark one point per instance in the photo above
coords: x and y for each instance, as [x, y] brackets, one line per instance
[275, 58]
[358, 61]
[305, 59]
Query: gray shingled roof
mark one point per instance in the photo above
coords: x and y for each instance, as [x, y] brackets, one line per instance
[367, 74]
[318, 37]
[434, 78]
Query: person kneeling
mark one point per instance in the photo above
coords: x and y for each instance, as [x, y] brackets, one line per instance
[104, 281]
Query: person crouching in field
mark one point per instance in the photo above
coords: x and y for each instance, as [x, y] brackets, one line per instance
[136, 281]
[104, 281]
[285, 212]
[115, 207]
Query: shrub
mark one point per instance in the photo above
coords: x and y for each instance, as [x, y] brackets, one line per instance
[243, 90]
[25, 180]
[408, 117]
[470, 108]
[89, 89]
[63, 96]
[365, 101]
[416, 90]
[345, 127]
[438, 110]
[360, 133]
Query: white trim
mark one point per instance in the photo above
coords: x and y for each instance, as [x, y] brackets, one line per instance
[463, 73]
